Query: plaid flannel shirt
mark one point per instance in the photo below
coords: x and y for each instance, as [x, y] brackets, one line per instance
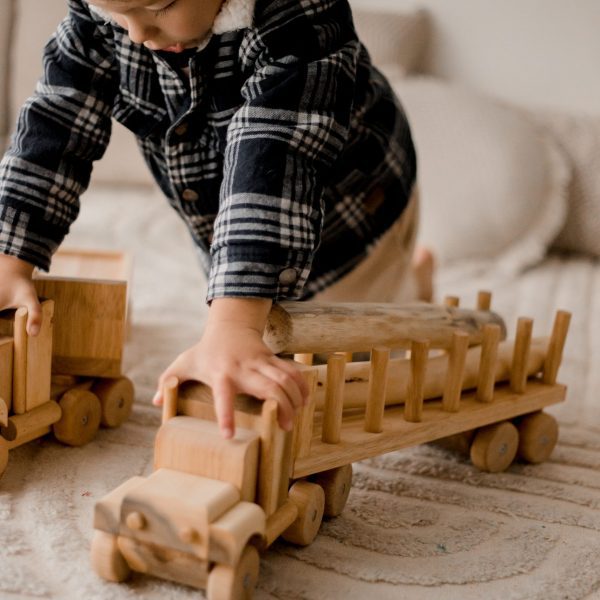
[285, 152]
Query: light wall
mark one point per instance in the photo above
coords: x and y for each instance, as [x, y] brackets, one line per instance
[534, 52]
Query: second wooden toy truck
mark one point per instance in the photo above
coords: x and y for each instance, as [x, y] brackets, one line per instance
[67, 379]
[211, 504]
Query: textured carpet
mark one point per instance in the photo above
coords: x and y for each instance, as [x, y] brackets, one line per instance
[419, 524]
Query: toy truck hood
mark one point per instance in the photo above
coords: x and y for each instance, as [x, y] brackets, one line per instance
[193, 514]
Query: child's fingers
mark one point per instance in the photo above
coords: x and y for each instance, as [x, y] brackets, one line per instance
[34, 316]
[286, 381]
[223, 394]
[292, 370]
[259, 385]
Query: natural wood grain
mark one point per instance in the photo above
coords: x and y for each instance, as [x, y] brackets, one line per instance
[305, 327]
[170, 397]
[164, 562]
[357, 374]
[193, 446]
[304, 421]
[380, 358]
[413, 409]
[279, 521]
[230, 533]
[89, 325]
[169, 502]
[484, 300]
[20, 427]
[457, 356]
[556, 346]
[39, 360]
[518, 372]
[486, 377]
[334, 398]
[6, 371]
[356, 444]
[20, 341]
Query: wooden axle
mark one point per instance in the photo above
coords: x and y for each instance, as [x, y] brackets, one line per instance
[19, 427]
[312, 327]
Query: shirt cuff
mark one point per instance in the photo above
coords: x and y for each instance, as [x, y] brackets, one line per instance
[25, 237]
[258, 272]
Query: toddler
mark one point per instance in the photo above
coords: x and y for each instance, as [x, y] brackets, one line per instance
[269, 132]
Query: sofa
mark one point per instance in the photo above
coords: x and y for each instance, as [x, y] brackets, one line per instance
[504, 103]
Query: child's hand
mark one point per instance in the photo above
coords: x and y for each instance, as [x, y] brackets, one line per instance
[17, 289]
[232, 358]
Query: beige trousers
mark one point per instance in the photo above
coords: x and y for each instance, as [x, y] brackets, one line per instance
[384, 275]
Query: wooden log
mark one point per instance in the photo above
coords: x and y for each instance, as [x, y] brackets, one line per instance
[419, 355]
[334, 399]
[20, 426]
[357, 374]
[518, 373]
[380, 358]
[556, 346]
[486, 379]
[456, 368]
[299, 327]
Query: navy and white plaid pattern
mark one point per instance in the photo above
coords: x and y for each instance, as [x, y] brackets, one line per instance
[270, 150]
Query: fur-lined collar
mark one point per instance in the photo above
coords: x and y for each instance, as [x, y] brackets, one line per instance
[234, 15]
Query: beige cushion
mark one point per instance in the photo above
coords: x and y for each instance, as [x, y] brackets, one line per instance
[123, 162]
[396, 40]
[579, 138]
[493, 185]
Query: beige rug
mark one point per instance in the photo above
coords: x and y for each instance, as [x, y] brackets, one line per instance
[420, 524]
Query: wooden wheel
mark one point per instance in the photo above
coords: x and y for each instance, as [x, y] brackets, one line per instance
[80, 419]
[235, 583]
[310, 500]
[116, 399]
[495, 447]
[538, 434]
[3, 456]
[336, 484]
[107, 560]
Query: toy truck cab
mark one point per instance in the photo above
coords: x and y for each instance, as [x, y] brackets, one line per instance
[194, 519]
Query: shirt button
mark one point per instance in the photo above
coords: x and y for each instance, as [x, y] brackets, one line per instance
[288, 276]
[190, 195]
[181, 129]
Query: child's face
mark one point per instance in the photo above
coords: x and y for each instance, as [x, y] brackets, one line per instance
[172, 25]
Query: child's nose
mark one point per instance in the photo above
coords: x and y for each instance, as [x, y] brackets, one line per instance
[139, 32]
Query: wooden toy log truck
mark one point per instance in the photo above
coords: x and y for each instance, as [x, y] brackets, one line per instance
[212, 504]
[68, 378]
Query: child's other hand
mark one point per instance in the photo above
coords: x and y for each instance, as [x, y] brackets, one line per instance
[232, 358]
[17, 289]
